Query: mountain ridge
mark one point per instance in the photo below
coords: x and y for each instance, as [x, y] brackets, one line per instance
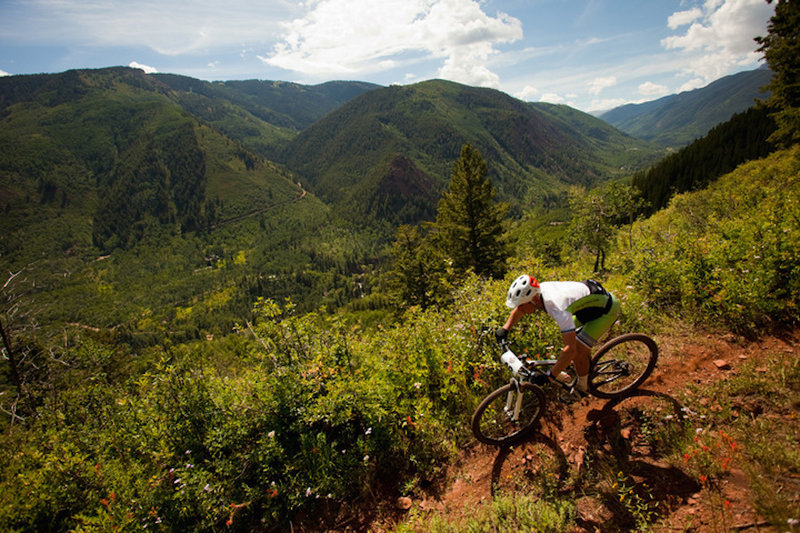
[528, 146]
[678, 119]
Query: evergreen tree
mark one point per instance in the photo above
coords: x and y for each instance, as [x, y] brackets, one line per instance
[469, 222]
[781, 48]
[418, 268]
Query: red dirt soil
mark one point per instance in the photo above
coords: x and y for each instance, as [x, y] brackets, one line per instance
[572, 432]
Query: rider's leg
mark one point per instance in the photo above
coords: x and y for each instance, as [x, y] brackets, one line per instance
[575, 352]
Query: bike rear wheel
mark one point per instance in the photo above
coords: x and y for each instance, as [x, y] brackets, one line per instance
[494, 420]
[622, 364]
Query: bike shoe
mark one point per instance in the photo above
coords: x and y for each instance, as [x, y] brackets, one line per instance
[579, 393]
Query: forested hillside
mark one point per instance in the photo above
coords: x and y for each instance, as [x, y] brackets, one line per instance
[166, 176]
[679, 119]
[535, 150]
[262, 115]
[742, 138]
[121, 208]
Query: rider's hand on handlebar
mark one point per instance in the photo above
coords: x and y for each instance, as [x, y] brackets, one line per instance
[501, 335]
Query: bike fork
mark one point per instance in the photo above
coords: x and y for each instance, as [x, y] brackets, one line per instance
[516, 401]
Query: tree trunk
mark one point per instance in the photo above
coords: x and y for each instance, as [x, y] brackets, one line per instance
[12, 359]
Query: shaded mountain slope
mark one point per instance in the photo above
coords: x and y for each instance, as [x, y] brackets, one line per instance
[262, 115]
[112, 147]
[678, 119]
[532, 150]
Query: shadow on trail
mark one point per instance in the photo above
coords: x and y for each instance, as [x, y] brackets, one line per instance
[631, 439]
[519, 467]
[628, 442]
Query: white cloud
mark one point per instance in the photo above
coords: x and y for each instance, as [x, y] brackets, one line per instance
[552, 98]
[4, 73]
[649, 88]
[720, 39]
[527, 93]
[351, 37]
[607, 104]
[597, 85]
[692, 84]
[147, 69]
[681, 18]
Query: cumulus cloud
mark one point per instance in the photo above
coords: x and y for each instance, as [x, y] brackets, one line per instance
[597, 85]
[606, 104]
[4, 73]
[551, 98]
[351, 37]
[147, 69]
[527, 93]
[649, 88]
[720, 37]
[694, 83]
[681, 18]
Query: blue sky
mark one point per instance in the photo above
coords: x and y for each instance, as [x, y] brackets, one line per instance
[589, 54]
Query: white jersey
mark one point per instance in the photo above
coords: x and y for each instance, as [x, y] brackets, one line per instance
[557, 296]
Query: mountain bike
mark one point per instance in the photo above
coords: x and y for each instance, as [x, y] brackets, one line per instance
[510, 413]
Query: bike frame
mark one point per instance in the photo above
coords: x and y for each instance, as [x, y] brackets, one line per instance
[526, 370]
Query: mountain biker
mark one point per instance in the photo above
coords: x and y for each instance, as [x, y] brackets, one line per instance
[583, 310]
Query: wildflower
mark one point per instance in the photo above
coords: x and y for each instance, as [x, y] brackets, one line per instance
[189, 465]
[727, 504]
[368, 431]
[417, 385]
[703, 479]
[308, 492]
[366, 458]
[271, 434]
[207, 488]
[188, 452]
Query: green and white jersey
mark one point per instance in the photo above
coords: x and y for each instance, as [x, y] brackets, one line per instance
[558, 296]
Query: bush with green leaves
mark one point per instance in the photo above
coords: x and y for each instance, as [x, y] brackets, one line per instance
[728, 255]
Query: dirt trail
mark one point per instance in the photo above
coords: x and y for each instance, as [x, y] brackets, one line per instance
[575, 433]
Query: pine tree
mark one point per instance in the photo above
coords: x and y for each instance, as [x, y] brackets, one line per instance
[418, 269]
[781, 48]
[469, 222]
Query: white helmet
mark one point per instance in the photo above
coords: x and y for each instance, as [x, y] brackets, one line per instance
[522, 291]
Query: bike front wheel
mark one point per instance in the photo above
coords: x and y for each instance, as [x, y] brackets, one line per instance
[622, 364]
[508, 414]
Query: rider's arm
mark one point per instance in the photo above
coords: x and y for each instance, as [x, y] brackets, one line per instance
[517, 314]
